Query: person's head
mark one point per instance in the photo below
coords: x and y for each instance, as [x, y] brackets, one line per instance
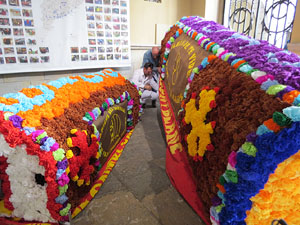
[148, 68]
[155, 52]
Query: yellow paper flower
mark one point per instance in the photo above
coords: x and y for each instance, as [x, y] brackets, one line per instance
[69, 142]
[75, 178]
[69, 154]
[80, 182]
[197, 119]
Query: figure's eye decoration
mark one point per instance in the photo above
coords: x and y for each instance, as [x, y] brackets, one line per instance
[40, 179]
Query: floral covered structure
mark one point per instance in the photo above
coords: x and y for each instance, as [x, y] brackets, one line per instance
[234, 153]
[59, 141]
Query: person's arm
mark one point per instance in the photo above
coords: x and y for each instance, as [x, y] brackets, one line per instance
[136, 79]
[157, 70]
[154, 85]
[146, 59]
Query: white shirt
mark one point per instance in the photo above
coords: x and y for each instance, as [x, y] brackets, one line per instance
[140, 80]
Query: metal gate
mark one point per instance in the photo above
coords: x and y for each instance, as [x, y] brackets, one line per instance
[270, 20]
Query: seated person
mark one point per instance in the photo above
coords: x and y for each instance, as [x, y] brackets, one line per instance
[144, 79]
[152, 56]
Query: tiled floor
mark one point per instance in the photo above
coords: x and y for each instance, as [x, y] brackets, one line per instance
[138, 191]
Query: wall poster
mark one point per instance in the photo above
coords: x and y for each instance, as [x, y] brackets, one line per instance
[47, 35]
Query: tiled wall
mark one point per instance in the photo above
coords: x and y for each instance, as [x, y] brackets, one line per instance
[15, 82]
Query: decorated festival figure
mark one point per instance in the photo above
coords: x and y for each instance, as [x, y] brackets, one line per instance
[59, 141]
[230, 108]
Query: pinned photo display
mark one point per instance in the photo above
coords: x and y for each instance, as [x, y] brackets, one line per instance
[100, 35]
[103, 22]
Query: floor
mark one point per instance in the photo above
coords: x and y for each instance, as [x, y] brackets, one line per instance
[138, 191]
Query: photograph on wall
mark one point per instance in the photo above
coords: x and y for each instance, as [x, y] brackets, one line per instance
[44, 50]
[101, 57]
[22, 59]
[84, 57]
[26, 3]
[8, 41]
[123, 3]
[33, 51]
[31, 41]
[15, 12]
[21, 50]
[89, 9]
[98, 17]
[27, 12]
[8, 51]
[83, 50]
[30, 32]
[106, 2]
[3, 12]
[75, 58]
[110, 56]
[98, 9]
[34, 59]
[4, 21]
[93, 57]
[101, 49]
[10, 59]
[18, 32]
[91, 33]
[3, 2]
[116, 19]
[93, 49]
[45, 59]
[16, 22]
[20, 41]
[13, 2]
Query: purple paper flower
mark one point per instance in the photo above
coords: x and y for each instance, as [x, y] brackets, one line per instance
[257, 55]
[62, 164]
[16, 120]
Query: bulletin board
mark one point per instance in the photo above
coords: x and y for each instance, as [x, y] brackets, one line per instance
[47, 35]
